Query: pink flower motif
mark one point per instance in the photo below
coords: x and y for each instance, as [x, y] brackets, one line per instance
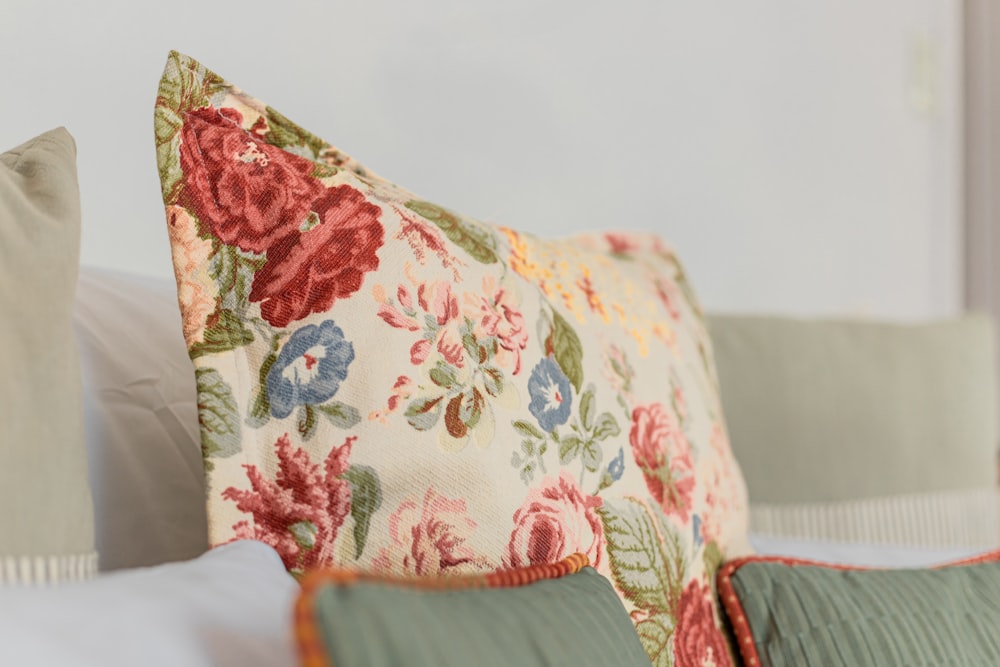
[437, 299]
[449, 344]
[302, 510]
[402, 389]
[618, 371]
[196, 291]
[428, 538]
[664, 455]
[669, 295]
[404, 297]
[721, 493]
[419, 351]
[621, 243]
[555, 520]
[392, 315]
[499, 316]
[680, 403]
[697, 639]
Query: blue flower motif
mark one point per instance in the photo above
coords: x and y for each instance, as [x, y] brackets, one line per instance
[309, 368]
[696, 527]
[551, 394]
[617, 465]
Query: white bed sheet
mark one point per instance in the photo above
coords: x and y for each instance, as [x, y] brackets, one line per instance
[231, 607]
[858, 554]
[141, 421]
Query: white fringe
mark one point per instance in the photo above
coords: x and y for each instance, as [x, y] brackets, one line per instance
[936, 520]
[47, 569]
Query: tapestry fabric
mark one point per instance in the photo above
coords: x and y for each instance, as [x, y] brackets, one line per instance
[388, 385]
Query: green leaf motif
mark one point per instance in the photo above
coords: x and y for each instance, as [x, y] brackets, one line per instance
[424, 413]
[366, 499]
[645, 553]
[324, 171]
[284, 133]
[471, 345]
[591, 455]
[712, 558]
[607, 427]
[307, 422]
[227, 334]
[492, 380]
[339, 414]
[655, 635]
[528, 429]
[233, 270]
[189, 85]
[217, 415]
[260, 413]
[184, 87]
[587, 409]
[569, 449]
[473, 239]
[167, 125]
[304, 533]
[443, 375]
[568, 350]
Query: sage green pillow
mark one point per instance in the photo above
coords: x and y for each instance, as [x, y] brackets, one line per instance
[47, 523]
[858, 409]
[565, 613]
[789, 612]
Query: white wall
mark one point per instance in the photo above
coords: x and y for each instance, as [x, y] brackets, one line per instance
[804, 157]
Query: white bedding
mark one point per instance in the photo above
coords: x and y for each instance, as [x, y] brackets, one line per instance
[859, 554]
[140, 421]
[231, 607]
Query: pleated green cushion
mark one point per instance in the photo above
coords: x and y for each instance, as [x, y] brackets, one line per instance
[799, 614]
[574, 620]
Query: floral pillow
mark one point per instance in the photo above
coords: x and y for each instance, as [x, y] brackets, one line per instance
[387, 385]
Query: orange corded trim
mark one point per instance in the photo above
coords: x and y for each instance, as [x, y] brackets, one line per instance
[312, 652]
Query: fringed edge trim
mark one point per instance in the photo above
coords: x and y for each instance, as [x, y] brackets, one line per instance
[47, 569]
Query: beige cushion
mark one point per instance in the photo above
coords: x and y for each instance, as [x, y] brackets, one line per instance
[839, 410]
[862, 431]
[47, 525]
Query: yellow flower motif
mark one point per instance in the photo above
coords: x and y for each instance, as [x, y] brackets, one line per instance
[586, 281]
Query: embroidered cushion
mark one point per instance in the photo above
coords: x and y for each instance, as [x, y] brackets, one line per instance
[388, 385]
[794, 612]
[47, 524]
[564, 613]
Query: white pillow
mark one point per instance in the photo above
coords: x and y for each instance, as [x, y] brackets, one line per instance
[141, 421]
[232, 607]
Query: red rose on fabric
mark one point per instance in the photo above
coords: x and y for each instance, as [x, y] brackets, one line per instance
[306, 272]
[556, 520]
[697, 639]
[302, 510]
[246, 191]
[663, 454]
[428, 538]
